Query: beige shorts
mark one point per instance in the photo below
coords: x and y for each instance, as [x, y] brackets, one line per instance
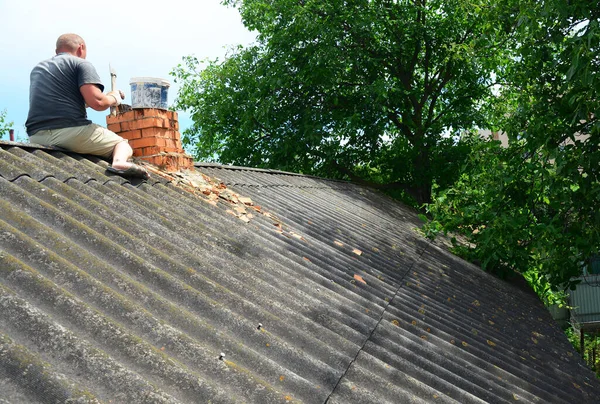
[88, 139]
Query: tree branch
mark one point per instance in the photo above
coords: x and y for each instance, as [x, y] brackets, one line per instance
[404, 128]
[266, 132]
[431, 121]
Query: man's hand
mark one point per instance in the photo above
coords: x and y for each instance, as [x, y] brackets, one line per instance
[118, 95]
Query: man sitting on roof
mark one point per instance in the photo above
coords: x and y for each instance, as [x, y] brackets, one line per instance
[60, 89]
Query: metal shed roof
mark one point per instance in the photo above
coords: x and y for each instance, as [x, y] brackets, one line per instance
[320, 291]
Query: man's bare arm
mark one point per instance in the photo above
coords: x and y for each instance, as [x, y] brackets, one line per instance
[96, 99]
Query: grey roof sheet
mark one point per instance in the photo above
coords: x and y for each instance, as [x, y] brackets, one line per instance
[112, 291]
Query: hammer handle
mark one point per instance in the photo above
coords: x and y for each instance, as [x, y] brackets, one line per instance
[113, 86]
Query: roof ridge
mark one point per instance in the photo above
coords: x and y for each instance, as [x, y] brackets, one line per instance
[263, 170]
[35, 146]
[28, 145]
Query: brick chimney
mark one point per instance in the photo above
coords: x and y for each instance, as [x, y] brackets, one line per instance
[153, 134]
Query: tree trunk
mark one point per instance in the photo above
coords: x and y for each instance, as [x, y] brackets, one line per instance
[422, 173]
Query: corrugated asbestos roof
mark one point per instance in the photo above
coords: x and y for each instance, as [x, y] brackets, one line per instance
[322, 292]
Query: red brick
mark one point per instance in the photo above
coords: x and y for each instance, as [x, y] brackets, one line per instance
[171, 162]
[146, 142]
[125, 116]
[159, 161]
[161, 122]
[173, 143]
[115, 127]
[158, 132]
[150, 132]
[130, 135]
[154, 123]
[171, 115]
[111, 119]
[162, 132]
[149, 151]
[186, 163]
[144, 123]
[126, 126]
[157, 122]
[172, 124]
[150, 112]
[140, 112]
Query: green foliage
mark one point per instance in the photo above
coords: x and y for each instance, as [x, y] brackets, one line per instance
[534, 207]
[4, 125]
[361, 90]
[591, 341]
[542, 287]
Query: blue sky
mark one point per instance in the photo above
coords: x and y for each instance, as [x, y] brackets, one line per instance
[138, 38]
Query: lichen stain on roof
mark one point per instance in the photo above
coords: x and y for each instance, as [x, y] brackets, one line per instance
[231, 284]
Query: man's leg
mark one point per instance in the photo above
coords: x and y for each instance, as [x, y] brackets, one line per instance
[121, 155]
[121, 165]
[97, 140]
[87, 139]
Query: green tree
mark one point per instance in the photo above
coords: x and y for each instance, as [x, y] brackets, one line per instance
[4, 125]
[367, 90]
[592, 343]
[534, 208]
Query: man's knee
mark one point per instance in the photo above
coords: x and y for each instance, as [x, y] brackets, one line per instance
[122, 151]
[106, 141]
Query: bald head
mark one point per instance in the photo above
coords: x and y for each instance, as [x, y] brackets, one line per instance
[69, 43]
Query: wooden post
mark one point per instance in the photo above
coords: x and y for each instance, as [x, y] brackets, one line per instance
[582, 342]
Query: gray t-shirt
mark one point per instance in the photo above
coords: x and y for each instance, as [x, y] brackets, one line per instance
[54, 97]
